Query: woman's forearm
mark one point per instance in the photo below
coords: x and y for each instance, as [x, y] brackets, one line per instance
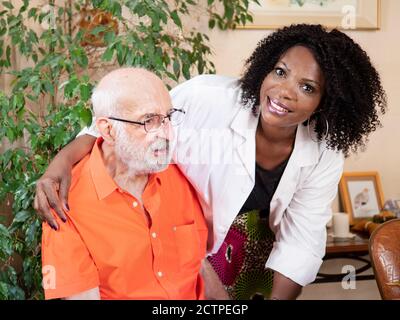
[284, 289]
[75, 150]
[52, 188]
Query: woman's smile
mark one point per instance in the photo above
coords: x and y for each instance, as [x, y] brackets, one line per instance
[275, 107]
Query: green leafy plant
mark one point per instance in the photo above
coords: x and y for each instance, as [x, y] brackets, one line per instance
[48, 102]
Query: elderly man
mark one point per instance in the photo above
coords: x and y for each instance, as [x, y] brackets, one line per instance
[135, 229]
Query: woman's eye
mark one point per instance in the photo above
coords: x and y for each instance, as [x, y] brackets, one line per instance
[307, 88]
[279, 72]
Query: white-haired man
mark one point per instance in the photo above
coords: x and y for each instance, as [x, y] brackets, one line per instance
[135, 228]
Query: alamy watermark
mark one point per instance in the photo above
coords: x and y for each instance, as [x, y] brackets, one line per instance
[49, 277]
[349, 280]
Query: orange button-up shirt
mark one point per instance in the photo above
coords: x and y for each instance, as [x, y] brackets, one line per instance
[111, 242]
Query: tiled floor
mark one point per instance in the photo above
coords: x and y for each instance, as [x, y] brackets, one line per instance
[364, 290]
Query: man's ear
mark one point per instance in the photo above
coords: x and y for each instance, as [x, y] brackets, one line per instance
[106, 130]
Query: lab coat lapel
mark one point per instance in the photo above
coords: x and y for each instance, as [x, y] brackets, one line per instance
[305, 153]
[244, 126]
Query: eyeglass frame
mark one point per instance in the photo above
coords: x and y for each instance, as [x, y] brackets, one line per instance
[143, 123]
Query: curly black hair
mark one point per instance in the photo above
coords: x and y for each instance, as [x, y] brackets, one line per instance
[353, 96]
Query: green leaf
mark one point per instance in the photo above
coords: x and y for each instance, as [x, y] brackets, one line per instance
[60, 11]
[49, 87]
[32, 36]
[186, 71]
[18, 101]
[3, 291]
[228, 12]
[10, 135]
[109, 37]
[108, 54]
[30, 234]
[121, 53]
[70, 87]
[167, 39]
[116, 9]
[16, 292]
[24, 7]
[177, 20]
[130, 58]
[98, 29]
[211, 24]
[22, 216]
[4, 231]
[85, 91]
[80, 56]
[86, 117]
[200, 66]
[177, 68]
[8, 56]
[8, 5]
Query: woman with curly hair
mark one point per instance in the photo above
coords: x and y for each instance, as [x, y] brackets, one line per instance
[277, 138]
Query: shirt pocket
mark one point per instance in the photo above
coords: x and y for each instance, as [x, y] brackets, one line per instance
[188, 247]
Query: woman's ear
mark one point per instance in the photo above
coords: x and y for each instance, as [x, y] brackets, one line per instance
[106, 130]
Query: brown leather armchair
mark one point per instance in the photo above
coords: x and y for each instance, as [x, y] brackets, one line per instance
[384, 250]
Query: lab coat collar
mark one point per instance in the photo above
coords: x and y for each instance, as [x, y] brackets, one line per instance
[306, 151]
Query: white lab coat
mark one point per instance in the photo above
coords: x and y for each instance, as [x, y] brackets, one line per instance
[216, 152]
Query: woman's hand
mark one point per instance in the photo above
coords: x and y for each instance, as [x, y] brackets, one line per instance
[53, 187]
[52, 192]
[284, 288]
[214, 289]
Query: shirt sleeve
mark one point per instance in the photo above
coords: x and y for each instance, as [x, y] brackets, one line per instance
[301, 237]
[67, 265]
[92, 130]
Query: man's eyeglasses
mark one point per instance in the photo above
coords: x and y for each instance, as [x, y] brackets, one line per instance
[154, 122]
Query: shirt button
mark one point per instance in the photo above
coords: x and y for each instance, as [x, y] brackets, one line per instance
[160, 274]
[154, 235]
[174, 229]
[135, 204]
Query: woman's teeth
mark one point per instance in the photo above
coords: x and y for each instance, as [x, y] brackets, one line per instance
[275, 106]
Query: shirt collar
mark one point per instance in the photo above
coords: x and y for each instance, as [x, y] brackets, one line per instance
[102, 181]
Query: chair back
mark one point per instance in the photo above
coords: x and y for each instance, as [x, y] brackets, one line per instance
[384, 250]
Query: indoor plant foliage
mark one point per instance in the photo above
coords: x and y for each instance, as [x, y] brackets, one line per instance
[64, 43]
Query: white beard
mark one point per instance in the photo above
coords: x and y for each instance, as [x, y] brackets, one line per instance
[141, 159]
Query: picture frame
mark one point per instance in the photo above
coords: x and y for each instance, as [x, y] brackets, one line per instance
[361, 195]
[340, 14]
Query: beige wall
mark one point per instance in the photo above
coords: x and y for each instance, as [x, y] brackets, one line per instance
[383, 151]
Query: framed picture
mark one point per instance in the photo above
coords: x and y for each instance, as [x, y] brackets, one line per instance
[341, 14]
[361, 194]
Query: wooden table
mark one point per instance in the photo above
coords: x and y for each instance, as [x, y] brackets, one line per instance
[354, 249]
